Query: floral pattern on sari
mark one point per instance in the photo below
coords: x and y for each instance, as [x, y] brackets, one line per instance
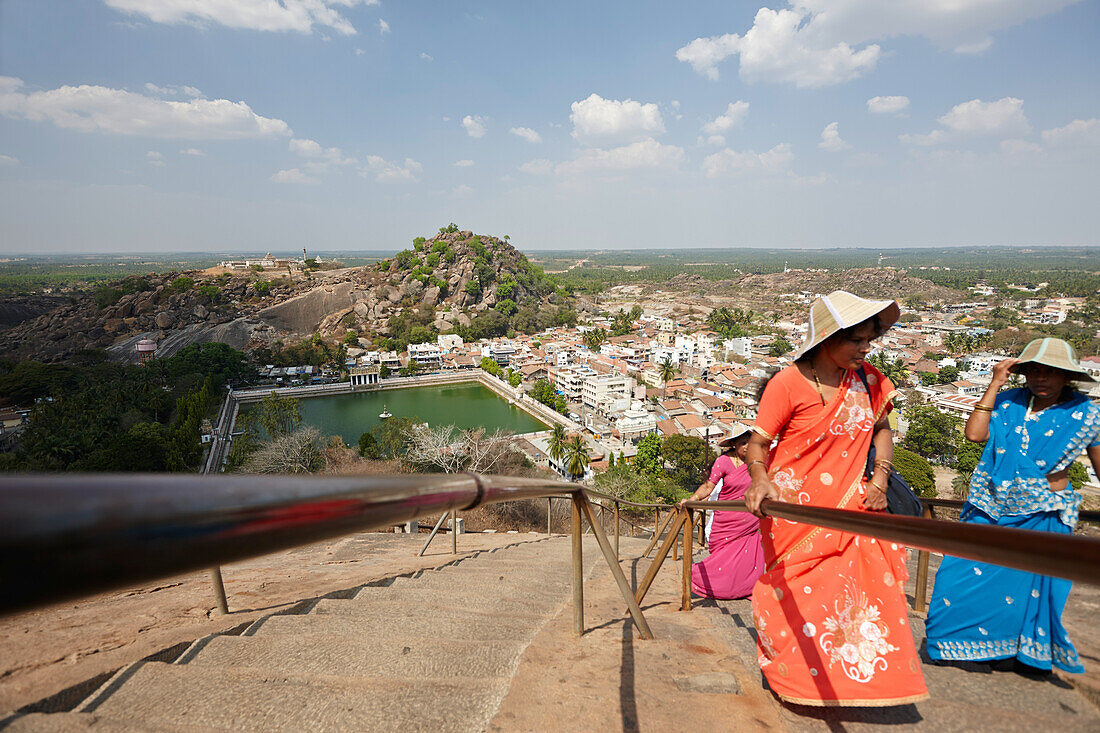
[855, 636]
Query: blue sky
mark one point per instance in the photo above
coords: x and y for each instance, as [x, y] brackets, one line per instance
[190, 125]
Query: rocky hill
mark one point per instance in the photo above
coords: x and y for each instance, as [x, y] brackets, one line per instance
[454, 281]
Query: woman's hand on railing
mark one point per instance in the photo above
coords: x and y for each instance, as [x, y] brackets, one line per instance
[874, 497]
[761, 488]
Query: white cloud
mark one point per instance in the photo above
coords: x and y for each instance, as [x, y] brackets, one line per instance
[539, 167]
[192, 151]
[780, 47]
[258, 15]
[607, 121]
[7, 161]
[887, 105]
[462, 190]
[383, 27]
[1078, 133]
[154, 158]
[1019, 147]
[718, 140]
[294, 175]
[426, 57]
[386, 171]
[935, 137]
[474, 125]
[527, 134]
[814, 43]
[359, 52]
[1003, 117]
[173, 91]
[318, 159]
[119, 112]
[465, 163]
[640, 155]
[830, 139]
[736, 112]
[776, 160]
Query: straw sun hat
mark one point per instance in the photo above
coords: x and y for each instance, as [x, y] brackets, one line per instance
[839, 310]
[736, 432]
[1053, 353]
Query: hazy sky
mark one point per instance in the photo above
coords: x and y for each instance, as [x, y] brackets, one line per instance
[172, 125]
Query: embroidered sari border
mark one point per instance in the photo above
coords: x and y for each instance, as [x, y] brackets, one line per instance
[853, 703]
[762, 432]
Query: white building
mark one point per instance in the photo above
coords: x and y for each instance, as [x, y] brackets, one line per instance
[363, 376]
[636, 423]
[606, 393]
[570, 380]
[427, 354]
[740, 346]
[449, 342]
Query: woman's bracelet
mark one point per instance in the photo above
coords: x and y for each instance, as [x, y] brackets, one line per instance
[872, 483]
[982, 408]
[884, 462]
[750, 463]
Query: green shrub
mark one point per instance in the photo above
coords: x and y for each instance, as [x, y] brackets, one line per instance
[916, 470]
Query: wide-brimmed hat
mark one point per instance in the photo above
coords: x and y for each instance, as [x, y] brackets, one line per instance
[1053, 353]
[736, 432]
[839, 310]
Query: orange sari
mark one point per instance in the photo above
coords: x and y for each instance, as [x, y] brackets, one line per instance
[830, 612]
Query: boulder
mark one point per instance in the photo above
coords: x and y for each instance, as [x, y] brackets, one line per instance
[462, 319]
[361, 309]
[200, 311]
[164, 319]
[431, 295]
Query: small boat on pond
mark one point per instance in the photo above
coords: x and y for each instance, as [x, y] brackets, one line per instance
[385, 413]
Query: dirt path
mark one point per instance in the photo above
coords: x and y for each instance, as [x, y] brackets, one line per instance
[45, 651]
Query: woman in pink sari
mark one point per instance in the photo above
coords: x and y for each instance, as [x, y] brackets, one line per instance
[736, 559]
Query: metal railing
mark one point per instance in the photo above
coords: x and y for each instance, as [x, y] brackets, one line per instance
[68, 536]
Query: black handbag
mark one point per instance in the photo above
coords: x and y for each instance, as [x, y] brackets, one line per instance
[900, 497]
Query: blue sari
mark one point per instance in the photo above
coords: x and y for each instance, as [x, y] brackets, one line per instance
[982, 612]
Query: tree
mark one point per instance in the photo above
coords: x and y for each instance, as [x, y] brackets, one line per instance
[391, 436]
[916, 471]
[594, 338]
[947, 375]
[1077, 475]
[894, 370]
[576, 457]
[649, 459]
[688, 456]
[555, 446]
[449, 450]
[274, 416]
[368, 446]
[411, 369]
[780, 346]
[931, 433]
[967, 457]
[666, 370]
[301, 451]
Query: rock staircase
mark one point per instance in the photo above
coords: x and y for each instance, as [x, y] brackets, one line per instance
[433, 651]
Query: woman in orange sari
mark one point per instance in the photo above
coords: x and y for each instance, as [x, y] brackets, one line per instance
[830, 612]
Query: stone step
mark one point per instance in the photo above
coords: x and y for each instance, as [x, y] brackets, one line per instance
[190, 697]
[412, 593]
[402, 603]
[359, 656]
[73, 723]
[471, 627]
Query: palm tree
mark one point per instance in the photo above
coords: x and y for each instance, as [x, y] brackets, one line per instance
[666, 370]
[721, 320]
[555, 446]
[594, 339]
[576, 456]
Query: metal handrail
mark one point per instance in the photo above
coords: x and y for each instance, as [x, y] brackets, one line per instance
[68, 536]
[1063, 556]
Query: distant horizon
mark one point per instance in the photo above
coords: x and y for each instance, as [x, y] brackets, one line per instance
[228, 254]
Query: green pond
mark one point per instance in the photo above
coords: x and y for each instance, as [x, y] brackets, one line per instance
[461, 405]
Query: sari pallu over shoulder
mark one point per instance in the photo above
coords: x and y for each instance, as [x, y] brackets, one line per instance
[831, 619]
[822, 463]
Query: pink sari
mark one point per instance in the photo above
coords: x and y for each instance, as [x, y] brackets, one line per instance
[736, 559]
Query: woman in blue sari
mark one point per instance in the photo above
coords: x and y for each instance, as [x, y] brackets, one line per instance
[982, 612]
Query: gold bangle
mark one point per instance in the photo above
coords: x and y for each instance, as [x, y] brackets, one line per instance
[883, 462]
[983, 408]
[881, 490]
[750, 463]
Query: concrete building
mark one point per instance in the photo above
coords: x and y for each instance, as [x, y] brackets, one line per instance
[636, 423]
[363, 376]
[607, 393]
[427, 354]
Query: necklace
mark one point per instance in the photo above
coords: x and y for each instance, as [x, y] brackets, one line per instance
[817, 383]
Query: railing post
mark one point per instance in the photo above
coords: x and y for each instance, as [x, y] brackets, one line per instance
[454, 531]
[656, 526]
[702, 529]
[920, 592]
[578, 570]
[675, 520]
[616, 530]
[549, 506]
[689, 535]
[431, 536]
[219, 590]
